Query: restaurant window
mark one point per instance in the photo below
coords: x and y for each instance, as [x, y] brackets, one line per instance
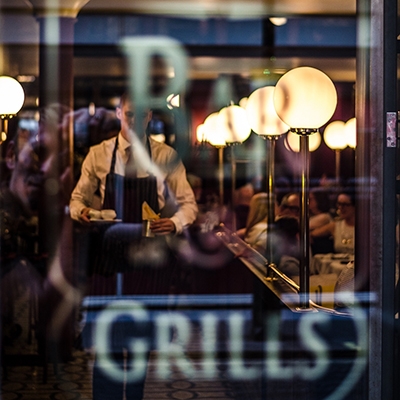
[209, 300]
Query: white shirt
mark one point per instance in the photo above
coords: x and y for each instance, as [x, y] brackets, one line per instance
[257, 235]
[318, 220]
[164, 165]
[343, 237]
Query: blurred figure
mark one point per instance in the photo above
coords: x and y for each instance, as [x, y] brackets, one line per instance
[319, 208]
[286, 245]
[255, 232]
[197, 186]
[319, 205]
[18, 219]
[128, 171]
[36, 197]
[91, 127]
[289, 206]
[342, 229]
[242, 204]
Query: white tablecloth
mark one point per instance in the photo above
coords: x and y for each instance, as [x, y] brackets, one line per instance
[331, 263]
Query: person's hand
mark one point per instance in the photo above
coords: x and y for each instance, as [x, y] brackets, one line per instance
[162, 226]
[84, 217]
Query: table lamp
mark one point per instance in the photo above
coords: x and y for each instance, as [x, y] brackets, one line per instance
[236, 129]
[350, 130]
[292, 141]
[212, 133]
[12, 99]
[305, 99]
[265, 122]
[335, 138]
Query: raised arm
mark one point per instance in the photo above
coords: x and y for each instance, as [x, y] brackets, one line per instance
[83, 193]
[328, 229]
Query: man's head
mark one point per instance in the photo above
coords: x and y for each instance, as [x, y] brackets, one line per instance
[133, 119]
[290, 205]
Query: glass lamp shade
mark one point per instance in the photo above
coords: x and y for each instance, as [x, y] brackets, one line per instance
[261, 113]
[292, 142]
[350, 131]
[234, 123]
[213, 130]
[334, 136]
[305, 98]
[243, 102]
[12, 96]
[200, 134]
[278, 21]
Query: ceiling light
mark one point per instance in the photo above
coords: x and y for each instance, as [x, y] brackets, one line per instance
[278, 21]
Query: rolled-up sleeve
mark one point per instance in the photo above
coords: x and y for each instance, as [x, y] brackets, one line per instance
[82, 195]
[184, 197]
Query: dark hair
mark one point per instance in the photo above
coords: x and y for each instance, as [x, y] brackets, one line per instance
[322, 198]
[285, 242]
[287, 227]
[123, 99]
[348, 191]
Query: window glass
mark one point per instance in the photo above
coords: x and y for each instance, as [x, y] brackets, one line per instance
[152, 235]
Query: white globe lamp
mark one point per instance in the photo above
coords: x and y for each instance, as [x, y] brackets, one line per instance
[350, 131]
[234, 123]
[335, 138]
[292, 142]
[213, 130]
[265, 122]
[263, 119]
[12, 97]
[305, 98]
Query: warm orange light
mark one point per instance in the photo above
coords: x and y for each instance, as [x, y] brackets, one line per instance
[12, 96]
[213, 131]
[292, 141]
[234, 123]
[334, 135]
[201, 134]
[261, 113]
[350, 130]
[305, 98]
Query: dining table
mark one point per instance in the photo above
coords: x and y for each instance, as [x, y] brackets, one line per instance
[329, 263]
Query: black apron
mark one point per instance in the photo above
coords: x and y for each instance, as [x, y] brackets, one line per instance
[126, 194]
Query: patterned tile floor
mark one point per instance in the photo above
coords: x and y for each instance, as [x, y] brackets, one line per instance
[73, 381]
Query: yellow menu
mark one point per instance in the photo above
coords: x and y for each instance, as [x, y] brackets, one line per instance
[148, 213]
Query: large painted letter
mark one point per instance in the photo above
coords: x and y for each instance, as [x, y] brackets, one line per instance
[138, 347]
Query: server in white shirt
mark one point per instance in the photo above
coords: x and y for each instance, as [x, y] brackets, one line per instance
[124, 172]
[156, 175]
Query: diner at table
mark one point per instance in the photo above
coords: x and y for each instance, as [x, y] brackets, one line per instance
[342, 231]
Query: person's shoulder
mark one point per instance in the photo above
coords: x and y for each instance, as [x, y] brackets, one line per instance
[104, 145]
[162, 150]
[160, 145]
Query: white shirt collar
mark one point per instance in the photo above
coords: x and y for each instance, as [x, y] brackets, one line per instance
[124, 144]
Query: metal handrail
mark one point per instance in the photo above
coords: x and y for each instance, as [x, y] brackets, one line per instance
[244, 251]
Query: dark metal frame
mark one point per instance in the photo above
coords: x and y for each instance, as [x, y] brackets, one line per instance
[376, 195]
